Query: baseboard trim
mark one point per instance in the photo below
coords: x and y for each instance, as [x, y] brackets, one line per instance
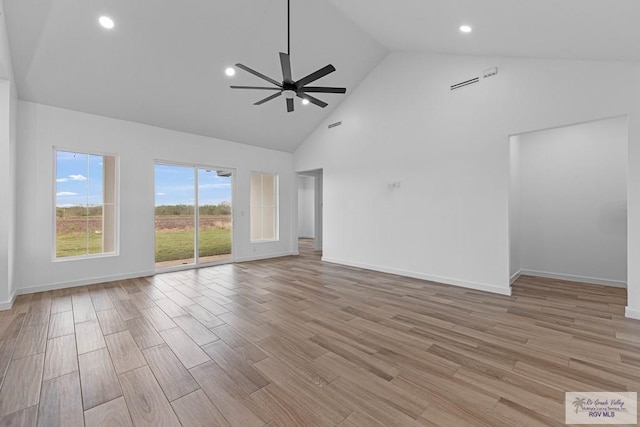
[573, 278]
[422, 276]
[269, 256]
[632, 313]
[515, 277]
[6, 305]
[83, 282]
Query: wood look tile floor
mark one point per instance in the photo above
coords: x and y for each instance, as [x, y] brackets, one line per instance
[295, 341]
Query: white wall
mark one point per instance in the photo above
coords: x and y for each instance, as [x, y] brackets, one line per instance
[573, 203]
[306, 206]
[515, 240]
[8, 144]
[6, 66]
[6, 203]
[633, 200]
[450, 150]
[138, 146]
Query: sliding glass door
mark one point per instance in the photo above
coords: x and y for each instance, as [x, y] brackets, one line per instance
[214, 215]
[192, 215]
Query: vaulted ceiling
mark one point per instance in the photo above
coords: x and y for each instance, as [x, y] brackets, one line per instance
[163, 64]
[567, 29]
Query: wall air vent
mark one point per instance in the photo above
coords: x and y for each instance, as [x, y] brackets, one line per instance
[465, 83]
[332, 125]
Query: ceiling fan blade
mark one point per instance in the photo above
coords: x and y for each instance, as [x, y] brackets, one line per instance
[289, 105]
[315, 76]
[255, 87]
[268, 98]
[324, 89]
[311, 99]
[257, 74]
[285, 61]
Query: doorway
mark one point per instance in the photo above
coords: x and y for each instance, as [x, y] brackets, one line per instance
[193, 215]
[310, 200]
[568, 203]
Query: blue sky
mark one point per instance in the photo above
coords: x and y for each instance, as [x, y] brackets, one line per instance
[79, 183]
[78, 179]
[174, 186]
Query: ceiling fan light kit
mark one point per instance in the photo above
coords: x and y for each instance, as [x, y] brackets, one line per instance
[288, 87]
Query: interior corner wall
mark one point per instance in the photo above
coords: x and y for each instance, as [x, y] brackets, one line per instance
[515, 240]
[572, 184]
[8, 145]
[13, 171]
[306, 206]
[633, 208]
[449, 219]
[6, 192]
[138, 146]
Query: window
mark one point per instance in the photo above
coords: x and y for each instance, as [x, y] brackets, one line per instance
[85, 204]
[264, 206]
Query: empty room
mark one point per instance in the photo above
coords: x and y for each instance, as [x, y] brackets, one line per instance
[319, 213]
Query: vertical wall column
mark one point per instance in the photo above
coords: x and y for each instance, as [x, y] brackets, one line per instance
[6, 194]
[633, 209]
[317, 242]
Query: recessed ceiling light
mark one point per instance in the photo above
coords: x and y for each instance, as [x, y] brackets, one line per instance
[230, 71]
[465, 28]
[305, 102]
[106, 22]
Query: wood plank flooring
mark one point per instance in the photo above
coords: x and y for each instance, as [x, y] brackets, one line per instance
[295, 341]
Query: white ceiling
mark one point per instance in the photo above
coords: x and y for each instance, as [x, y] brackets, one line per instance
[164, 62]
[574, 29]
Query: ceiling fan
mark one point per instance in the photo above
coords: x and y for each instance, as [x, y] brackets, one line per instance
[288, 87]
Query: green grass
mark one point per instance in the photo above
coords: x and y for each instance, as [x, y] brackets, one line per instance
[75, 244]
[175, 245]
[170, 245]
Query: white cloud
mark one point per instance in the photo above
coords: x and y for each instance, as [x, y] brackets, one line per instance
[72, 178]
[66, 193]
[213, 186]
[161, 194]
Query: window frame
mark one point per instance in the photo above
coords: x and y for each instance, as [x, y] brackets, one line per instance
[54, 184]
[276, 237]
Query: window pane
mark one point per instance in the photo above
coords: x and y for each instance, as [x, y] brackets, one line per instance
[214, 215]
[256, 189]
[268, 190]
[264, 206]
[71, 231]
[175, 215]
[83, 223]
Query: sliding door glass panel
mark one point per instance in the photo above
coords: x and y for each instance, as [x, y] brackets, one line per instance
[214, 219]
[175, 215]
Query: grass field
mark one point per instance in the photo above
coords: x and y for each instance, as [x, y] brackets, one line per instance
[75, 244]
[175, 245]
[174, 237]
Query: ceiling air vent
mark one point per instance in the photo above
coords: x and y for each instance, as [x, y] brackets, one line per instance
[465, 83]
[332, 125]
